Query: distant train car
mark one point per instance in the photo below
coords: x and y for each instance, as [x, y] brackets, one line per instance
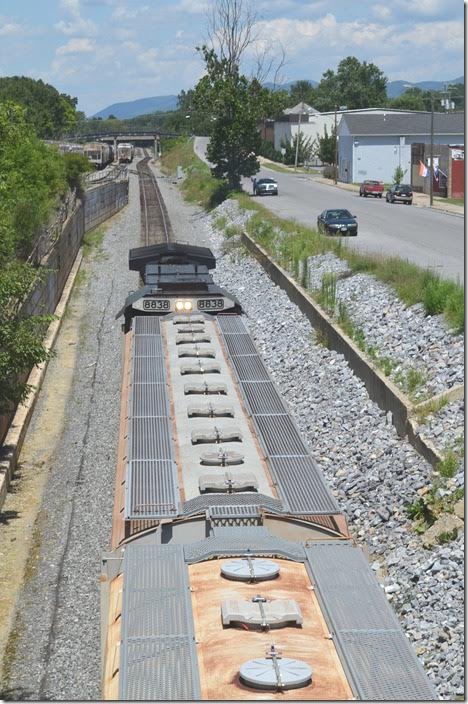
[67, 148]
[125, 153]
[99, 154]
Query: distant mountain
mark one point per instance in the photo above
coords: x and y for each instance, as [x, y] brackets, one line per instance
[396, 88]
[287, 86]
[165, 103]
[143, 106]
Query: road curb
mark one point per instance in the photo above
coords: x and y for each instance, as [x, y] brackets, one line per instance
[380, 389]
[15, 436]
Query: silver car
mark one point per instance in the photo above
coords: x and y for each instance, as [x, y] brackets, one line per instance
[265, 187]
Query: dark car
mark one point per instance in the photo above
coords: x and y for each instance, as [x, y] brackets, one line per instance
[266, 187]
[399, 192]
[371, 188]
[337, 221]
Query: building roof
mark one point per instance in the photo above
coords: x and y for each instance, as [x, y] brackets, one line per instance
[404, 124]
[302, 108]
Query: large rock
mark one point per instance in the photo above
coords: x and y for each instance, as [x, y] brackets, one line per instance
[459, 509]
[446, 523]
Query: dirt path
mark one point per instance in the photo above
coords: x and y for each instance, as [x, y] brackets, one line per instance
[21, 518]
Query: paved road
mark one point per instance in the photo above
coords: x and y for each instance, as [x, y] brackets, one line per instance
[428, 237]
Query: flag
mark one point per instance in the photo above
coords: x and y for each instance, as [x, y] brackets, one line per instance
[422, 170]
[436, 172]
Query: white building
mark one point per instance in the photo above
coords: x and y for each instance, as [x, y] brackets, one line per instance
[313, 123]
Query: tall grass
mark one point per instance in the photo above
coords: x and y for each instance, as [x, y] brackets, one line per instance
[288, 242]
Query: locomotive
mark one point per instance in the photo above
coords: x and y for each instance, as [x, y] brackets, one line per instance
[232, 573]
[125, 153]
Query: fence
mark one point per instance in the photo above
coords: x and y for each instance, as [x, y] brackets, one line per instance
[57, 247]
[115, 172]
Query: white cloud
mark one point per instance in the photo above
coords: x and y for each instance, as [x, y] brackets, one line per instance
[300, 35]
[195, 7]
[11, 29]
[382, 12]
[428, 8]
[76, 46]
[445, 36]
[76, 23]
[124, 13]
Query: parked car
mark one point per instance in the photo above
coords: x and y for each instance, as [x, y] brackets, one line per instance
[337, 222]
[399, 191]
[265, 187]
[371, 188]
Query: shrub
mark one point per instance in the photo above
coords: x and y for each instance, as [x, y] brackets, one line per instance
[75, 166]
[267, 149]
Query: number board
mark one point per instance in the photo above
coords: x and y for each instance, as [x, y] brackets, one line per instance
[210, 304]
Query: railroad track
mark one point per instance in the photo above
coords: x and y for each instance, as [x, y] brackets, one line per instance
[155, 224]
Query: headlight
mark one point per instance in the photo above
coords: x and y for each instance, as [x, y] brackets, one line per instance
[183, 305]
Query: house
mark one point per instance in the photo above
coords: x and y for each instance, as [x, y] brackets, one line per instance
[372, 146]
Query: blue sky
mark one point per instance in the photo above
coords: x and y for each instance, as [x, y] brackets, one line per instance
[106, 51]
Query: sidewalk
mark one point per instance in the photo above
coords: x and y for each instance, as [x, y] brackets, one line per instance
[420, 200]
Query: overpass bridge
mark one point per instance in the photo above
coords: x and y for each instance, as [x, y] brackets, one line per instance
[143, 138]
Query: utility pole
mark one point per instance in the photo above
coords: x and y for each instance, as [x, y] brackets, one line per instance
[336, 150]
[297, 140]
[431, 155]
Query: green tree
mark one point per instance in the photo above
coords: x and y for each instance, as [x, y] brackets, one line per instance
[50, 113]
[411, 99]
[234, 108]
[302, 92]
[75, 166]
[305, 149]
[20, 336]
[355, 84]
[327, 147]
[399, 174]
[32, 174]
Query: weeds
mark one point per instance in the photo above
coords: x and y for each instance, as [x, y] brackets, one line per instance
[92, 241]
[327, 295]
[449, 465]
[321, 338]
[411, 381]
[430, 408]
[447, 536]
[220, 222]
[233, 231]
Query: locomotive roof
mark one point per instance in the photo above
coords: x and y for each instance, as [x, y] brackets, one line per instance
[173, 644]
[169, 454]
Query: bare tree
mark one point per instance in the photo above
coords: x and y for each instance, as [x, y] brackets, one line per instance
[231, 29]
[268, 60]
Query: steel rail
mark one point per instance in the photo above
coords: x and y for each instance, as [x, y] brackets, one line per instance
[155, 216]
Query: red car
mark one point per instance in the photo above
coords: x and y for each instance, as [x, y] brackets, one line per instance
[371, 188]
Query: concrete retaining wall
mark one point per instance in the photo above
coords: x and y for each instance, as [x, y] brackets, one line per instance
[380, 389]
[103, 201]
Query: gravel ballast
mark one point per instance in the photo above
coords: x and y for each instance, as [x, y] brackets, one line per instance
[373, 473]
